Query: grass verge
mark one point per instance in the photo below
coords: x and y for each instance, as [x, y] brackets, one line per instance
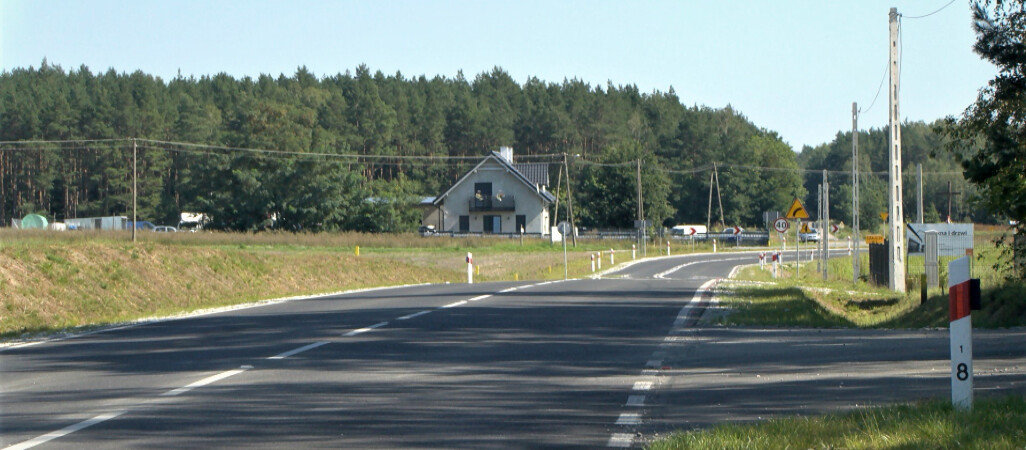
[993, 423]
[51, 281]
[802, 298]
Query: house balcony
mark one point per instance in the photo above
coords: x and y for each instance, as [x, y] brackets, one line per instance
[486, 204]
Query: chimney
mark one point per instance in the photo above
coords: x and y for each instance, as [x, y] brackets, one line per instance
[506, 153]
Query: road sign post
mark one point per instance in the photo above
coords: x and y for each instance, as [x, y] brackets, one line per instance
[961, 334]
[797, 211]
[781, 225]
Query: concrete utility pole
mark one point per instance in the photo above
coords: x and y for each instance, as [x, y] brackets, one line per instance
[570, 202]
[855, 191]
[819, 224]
[919, 192]
[896, 244]
[135, 187]
[642, 239]
[825, 232]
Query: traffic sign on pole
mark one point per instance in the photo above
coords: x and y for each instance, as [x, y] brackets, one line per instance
[797, 210]
[781, 225]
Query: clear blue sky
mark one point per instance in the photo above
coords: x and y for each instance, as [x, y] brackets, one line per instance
[793, 67]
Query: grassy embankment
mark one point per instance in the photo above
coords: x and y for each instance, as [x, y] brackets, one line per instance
[809, 301]
[55, 281]
[994, 423]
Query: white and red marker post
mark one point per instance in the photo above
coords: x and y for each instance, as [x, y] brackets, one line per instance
[611, 261]
[593, 262]
[959, 293]
[762, 260]
[470, 268]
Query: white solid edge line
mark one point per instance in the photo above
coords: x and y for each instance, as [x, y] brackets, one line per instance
[298, 350]
[204, 382]
[66, 430]
[455, 304]
[416, 314]
[621, 440]
[366, 329]
[479, 297]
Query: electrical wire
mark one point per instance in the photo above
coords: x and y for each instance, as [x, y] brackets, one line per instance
[68, 141]
[878, 89]
[930, 14]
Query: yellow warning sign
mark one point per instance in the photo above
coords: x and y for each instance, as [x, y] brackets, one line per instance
[797, 210]
[805, 228]
[883, 216]
[874, 239]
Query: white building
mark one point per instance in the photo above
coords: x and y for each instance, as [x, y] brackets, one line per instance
[497, 196]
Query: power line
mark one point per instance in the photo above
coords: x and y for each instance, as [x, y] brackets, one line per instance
[930, 14]
[878, 89]
[64, 141]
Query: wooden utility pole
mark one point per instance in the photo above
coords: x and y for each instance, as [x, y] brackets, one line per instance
[950, 194]
[896, 244]
[559, 183]
[919, 192]
[135, 188]
[708, 214]
[855, 191]
[719, 193]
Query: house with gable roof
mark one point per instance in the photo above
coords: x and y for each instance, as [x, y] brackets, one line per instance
[497, 196]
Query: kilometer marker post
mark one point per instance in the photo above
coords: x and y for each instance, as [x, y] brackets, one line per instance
[961, 334]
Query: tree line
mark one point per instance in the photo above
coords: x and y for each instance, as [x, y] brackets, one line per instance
[352, 151]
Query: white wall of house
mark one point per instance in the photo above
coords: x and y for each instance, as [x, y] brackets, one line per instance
[528, 202]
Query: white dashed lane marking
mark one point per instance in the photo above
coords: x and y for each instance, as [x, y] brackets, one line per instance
[364, 330]
[414, 315]
[629, 419]
[636, 400]
[621, 440]
[642, 386]
[299, 350]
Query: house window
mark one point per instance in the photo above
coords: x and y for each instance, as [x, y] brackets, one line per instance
[521, 223]
[483, 191]
[492, 224]
[464, 224]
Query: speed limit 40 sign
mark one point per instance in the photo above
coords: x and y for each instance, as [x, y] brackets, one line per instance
[780, 225]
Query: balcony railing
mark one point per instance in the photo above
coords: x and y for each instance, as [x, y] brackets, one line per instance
[493, 203]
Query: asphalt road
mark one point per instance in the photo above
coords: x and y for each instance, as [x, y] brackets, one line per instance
[581, 363]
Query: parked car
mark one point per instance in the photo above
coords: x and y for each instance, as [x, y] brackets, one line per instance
[426, 230]
[811, 236]
[165, 229]
[141, 225]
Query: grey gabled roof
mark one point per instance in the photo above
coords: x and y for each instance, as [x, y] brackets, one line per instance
[539, 190]
[538, 173]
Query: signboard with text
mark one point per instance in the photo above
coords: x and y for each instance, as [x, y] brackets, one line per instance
[952, 238]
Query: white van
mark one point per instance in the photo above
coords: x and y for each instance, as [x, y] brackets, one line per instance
[684, 231]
